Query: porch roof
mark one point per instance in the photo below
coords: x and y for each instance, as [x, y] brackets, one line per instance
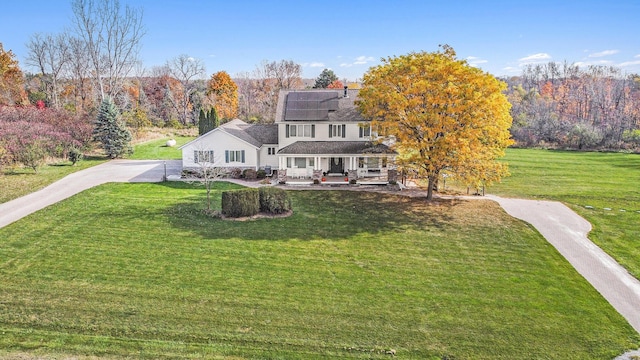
[335, 148]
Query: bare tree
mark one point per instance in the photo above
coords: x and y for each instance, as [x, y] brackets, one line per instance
[270, 78]
[112, 36]
[186, 70]
[49, 54]
[209, 169]
[79, 69]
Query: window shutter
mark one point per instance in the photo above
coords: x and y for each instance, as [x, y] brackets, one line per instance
[344, 130]
[286, 131]
[330, 128]
[226, 156]
[313, 130]
[211, 159]
[242, 155]
[360, 132]
[195, 156]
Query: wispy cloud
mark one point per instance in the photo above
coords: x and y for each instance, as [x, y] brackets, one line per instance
[316, 64]
[475, 61]
[535, 58]
[637, 56]
[584, 64]
[511, 69]
[630, 63]
[360, 60]
[604, 53]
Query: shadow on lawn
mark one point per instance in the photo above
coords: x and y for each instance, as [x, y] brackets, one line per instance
[319, 214]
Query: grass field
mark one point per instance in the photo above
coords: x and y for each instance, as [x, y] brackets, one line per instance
[137, 270]
[157, 149]
[608, 182]
[21, 181]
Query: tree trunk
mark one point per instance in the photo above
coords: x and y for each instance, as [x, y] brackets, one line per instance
[432, 182]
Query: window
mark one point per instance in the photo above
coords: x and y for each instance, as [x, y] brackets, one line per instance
[365, 131]
[202, 156]
[234, 156]
[299, 162]
[370, 162]
[373, 163]
[271, 151]
[337, 130]
[303, 130]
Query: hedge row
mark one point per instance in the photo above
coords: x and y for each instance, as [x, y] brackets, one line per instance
[240, 203]
[248, 202]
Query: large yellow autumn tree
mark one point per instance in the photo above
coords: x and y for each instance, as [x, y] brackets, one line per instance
[445, 115]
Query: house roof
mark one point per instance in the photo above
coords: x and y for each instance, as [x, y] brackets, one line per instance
[318, 105]
[335, 147]
[254, 134]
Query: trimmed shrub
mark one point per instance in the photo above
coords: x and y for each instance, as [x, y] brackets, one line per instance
[240, 203]
[235, 173]
[261, 174]
[274, 200]
[249, 174]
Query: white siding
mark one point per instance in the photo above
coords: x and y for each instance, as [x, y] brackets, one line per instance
[220, 141]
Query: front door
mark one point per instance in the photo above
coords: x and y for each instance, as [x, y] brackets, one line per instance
[336, 166]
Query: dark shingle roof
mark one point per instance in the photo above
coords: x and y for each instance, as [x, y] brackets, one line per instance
[264, 133]
[318, 105]
[335, 147]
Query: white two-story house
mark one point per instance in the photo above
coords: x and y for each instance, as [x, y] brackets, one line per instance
[317, 136]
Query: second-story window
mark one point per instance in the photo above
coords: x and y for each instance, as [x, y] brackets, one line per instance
[365, 131]
[304, 130]
[337, 130]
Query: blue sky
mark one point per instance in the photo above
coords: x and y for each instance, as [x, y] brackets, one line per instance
[349, 36]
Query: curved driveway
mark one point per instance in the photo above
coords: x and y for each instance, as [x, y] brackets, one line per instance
[567, 232]
[563, 228]
[112, 171]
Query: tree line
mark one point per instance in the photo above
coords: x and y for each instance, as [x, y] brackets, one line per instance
[566, 106]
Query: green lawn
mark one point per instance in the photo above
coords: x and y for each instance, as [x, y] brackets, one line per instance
[137, 270]
[21, 181]
[158, 150]
[585, 179]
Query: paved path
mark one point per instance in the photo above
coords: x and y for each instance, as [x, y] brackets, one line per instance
[567, 232]
[112, 171]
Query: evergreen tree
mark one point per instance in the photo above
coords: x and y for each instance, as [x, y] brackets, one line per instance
[207, 121]
[325, 78]
[111, 131]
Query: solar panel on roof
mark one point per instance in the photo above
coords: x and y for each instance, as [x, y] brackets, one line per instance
[310, 105]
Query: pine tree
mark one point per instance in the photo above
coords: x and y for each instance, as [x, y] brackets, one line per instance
[207, 121]
[111, 131]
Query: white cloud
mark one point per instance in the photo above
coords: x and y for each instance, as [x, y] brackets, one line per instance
[637, 56]
[595, 63]
[604, 53]
[475, 61]
[361, 60]
[346, 65]
[316, 64]
[539, 57]
[630, 63]
[511, 69]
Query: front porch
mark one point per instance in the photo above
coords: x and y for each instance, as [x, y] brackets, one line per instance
[336, 170]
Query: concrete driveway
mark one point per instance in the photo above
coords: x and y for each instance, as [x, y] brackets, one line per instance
[112, 171]
[567, 232]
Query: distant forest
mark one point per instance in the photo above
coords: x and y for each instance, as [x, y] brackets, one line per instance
[565, 106]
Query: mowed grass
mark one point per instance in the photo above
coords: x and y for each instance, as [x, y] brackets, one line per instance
[137, 270]
[18, 182]
[158, 150]
[608, 182]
